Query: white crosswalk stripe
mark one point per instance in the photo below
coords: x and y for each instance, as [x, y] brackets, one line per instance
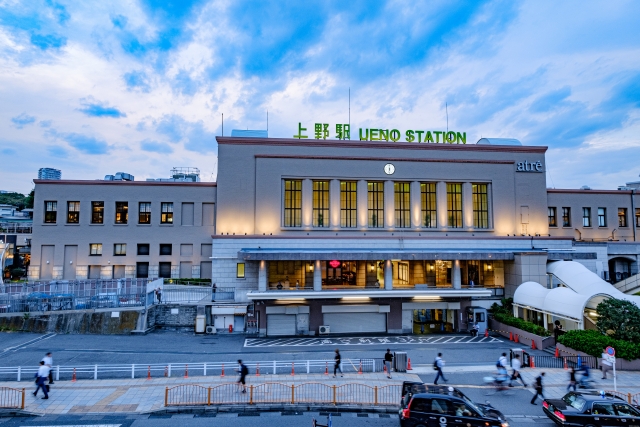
[359, 341]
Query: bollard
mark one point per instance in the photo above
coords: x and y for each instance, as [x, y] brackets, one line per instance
[222, 374]
[258, 370]
[274, 367]
[95, 372]
[308, 371]
[510, 336]
[133, 371]
[326, 368]
[58, 373]
[19, 373]
[149, 373]
[166, 371]
[360, 368]
[565, 363]
[169, 370]
[204, 370]
[533, 362]
[293, 372]
[186, 371]
[409, 365]
[73, 378]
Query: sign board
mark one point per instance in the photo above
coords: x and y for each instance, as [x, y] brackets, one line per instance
[610, 351]
[610, 355]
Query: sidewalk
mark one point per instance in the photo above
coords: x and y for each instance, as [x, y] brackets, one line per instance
[142, 395]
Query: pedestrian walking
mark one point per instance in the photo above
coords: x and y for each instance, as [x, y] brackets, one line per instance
[606, 365]
[438, 364]
[48, 361]
[572, 379]
[388, 358]
[516, 365]
[243, 371]
[159, 295]
[538, 387]
[41, 377]
[337, 364]
[213, 292]
[502, 362]
[557, 330]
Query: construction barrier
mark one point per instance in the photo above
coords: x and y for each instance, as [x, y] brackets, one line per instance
[11, 398]
[280, 393]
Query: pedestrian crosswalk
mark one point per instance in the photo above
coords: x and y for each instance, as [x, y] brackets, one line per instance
[368, 341]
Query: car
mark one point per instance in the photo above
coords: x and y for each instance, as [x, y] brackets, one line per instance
[591, 408]
[424, 405]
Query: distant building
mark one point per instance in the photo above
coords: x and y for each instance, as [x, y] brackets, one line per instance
[49, 173]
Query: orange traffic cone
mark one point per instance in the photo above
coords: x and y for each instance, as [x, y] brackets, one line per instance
[186, 371]
[533, 362]
[326, 369]
[384, 368]
[222, 374]
[73, 378]
[557, 352]
[533, 345]
[293, 372]
[486, 333]
[149, 373]
[510, 336]
[516, 338]
[258, 370]
[360, 368]
[409, 365]
[565, 363]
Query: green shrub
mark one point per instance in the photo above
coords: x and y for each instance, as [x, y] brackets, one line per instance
[620, 319]
[516, 322]
[593, 342]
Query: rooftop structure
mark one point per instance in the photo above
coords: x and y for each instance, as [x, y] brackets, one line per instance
[49, 173]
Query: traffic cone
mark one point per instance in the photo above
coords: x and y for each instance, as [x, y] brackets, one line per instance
[533, 345]
[510, 336]
[360, 368]
[486, 333]
[258, 370]
[73, 378]
[557, 353]
[149, 373]
[186, 371]
[516, 338]
[384, 368]
[293, 372]
[326, 369]
[222, 374]
[565, 363]
[533, 362]
[409, 365]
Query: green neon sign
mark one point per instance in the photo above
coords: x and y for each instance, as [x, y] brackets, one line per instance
[343, 132]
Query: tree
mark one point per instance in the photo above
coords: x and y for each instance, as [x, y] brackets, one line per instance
[620, 319]
[29, 200]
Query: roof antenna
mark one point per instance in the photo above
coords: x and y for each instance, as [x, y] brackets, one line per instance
[446, 109]
[349, 112]
[267, 123]
[222, 124]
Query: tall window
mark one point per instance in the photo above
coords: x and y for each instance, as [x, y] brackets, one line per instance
[348, 204]
[586, 217]
[95, 249]
[454, 205]
[166, 213]
[73, 212]
[602, 217]
[97, 212]
[120, 249]
[402, 203]
[320, 203]
[480, 206]
[622, 217]
[240, 270]
[144, 213]
[122, 212]
[566, 217]
[375, 204]
[50, 212]
[551, 213]
[292, 203]
[428, 201]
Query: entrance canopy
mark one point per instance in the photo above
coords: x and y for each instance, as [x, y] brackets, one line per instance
[373, 254]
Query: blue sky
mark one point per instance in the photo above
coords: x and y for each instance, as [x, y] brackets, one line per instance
[140, 85]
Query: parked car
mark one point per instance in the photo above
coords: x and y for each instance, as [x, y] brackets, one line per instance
[591, 408]
[424, 405]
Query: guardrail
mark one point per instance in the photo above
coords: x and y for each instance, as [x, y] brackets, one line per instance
[45, 302]
[11, 398]
[633, 399]
[184, 294]
[274, 393]
[271, 367]
[565, 361]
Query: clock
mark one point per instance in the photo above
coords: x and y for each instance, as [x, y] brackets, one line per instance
[389, 169]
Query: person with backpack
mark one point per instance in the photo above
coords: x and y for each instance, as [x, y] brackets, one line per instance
[516, 365]
[243, 371]
[438, 364]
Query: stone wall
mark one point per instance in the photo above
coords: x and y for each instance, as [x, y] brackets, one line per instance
[74, 322]
[164, 316]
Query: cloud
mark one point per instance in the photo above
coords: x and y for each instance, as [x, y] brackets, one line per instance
[98, 109]
[550, 101]
[48, 41]
[59, 11]
[86, 144]
[57, 151]
[194, 135]
[137, 80]
[156, 147]
[22, 120]
[8, 151]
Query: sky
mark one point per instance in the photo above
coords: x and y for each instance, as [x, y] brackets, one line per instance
[140, 86]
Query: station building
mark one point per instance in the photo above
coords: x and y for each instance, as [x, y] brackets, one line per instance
[342, 236]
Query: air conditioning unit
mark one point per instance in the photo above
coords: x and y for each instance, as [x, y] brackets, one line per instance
[210, 330]
[324, 330]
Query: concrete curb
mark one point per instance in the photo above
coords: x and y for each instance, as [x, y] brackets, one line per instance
[275, 408]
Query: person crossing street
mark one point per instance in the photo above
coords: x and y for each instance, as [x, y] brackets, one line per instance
[438, 364]
[41, 377]
[538, 388]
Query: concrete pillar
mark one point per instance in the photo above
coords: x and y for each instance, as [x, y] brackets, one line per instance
[467, 205]
[334, 203]
[515, 311]
[416, 205]
[363, 206]
[441, 204]
[307, 203]
[389, 205]
[388, 275]
[545, 316]
[456, 277]
[262, 276]
[317, 276]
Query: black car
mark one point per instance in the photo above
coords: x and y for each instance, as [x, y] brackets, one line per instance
[591, 409]
[425, 405]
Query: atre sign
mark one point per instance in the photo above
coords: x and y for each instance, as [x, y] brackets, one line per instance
[527, 166]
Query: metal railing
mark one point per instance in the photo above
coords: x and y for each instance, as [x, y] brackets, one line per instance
[191, 294]
[52, 302]
[271, 367]
[11, 398]
[79, 288]
[570, 361]
[275, 393]
[633, 399]
[16, 227]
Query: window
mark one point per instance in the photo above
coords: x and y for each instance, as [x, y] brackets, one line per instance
[240, 270]
[403, 272]
[320, 204]
[603, 409]
[348, 204]
[122, 212]
[143, 249]
[375, 204]
[480, 206]
[625, 410]
[166, 213]
[428, 200]
[97, 212]
[164, 270]
[622, 217]
[602, 217]
[142, 270]
[402, 203]
[50, 212]
[120, 249]
[292, 203]
[73, 212]
[551, 212]
[586, 217]
[566, 217]
[454, 205]
[95, 249]
[165, 248]
[144, 213]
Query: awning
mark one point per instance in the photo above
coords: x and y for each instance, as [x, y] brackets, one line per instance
[431, 294]
[231, 309]
[373, 254]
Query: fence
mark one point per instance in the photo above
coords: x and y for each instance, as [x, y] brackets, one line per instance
[633, 399]
[189, 294]
[11, 398]
[16, 227]
[571, 361]
[53, 302]
[275, 393]
[273, 367]
[79, 288]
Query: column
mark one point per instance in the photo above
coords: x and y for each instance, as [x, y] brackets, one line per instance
[388, 275]
[317, 276]
[416, 205]
[363, 204]
[307, 203]
[262, 276]
[334, 203]
[545, 316]
[389, 205]
[441, 204]
[456, 277]
[467, 205]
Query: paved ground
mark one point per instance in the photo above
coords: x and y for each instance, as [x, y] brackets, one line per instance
[365, 341]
